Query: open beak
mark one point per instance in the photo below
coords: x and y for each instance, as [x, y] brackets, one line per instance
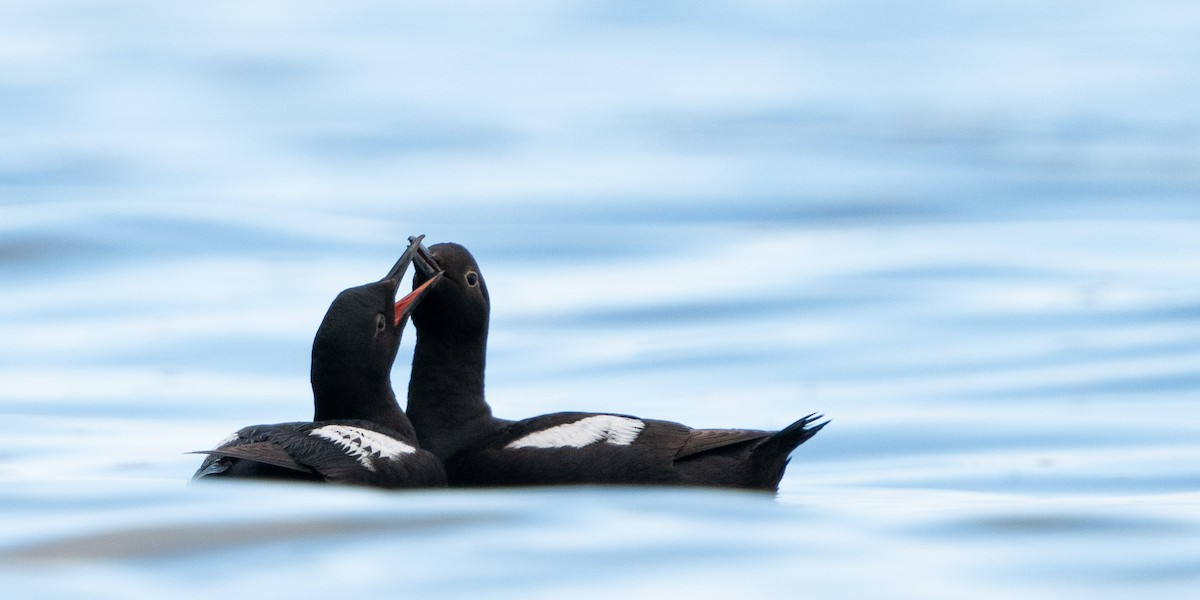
[414, 246]
[422, 259]
[405, 305]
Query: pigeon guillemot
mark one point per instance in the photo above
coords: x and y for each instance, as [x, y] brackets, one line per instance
[453, 420]
[358, 434]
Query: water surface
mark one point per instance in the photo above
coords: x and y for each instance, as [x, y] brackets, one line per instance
[966, 234]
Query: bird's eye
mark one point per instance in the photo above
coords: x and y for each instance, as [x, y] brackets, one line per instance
[380, 323]
[472, 278]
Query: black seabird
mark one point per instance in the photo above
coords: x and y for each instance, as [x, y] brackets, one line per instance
[453, 420]
[358, 434]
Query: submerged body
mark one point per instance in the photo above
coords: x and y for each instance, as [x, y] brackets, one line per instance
[343, 451]
[601, 448]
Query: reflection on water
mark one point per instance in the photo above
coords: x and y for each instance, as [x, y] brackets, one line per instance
[968, 236]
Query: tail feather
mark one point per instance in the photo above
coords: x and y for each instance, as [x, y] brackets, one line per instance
[772, 456]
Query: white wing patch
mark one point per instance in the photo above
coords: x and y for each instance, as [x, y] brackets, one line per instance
[363, 444]
[610, 429]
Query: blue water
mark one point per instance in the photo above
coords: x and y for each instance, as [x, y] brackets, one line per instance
[966, 233]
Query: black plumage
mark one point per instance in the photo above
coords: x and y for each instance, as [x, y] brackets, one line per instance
[453, 420]
[359, 434]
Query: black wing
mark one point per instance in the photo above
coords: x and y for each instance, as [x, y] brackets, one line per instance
[269, 453]
[700, 441]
